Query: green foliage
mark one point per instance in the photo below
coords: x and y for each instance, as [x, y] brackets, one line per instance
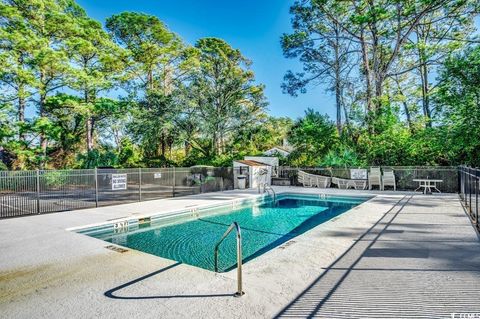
[223, 95]
[459, 92]
[342, 157]
[186, 105]
[97, 158]
[55, 178]
[312, 136]
[129, 155]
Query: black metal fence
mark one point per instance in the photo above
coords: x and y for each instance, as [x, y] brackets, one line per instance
[469, 180]
[46, 191]
[404, 175]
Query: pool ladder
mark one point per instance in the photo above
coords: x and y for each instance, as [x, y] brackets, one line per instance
[267, 188]
[236, 227]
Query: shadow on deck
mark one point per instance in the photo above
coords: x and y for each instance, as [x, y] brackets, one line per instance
[406, 265]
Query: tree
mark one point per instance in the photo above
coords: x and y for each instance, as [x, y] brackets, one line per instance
[312, 137]
[256, 139]
[382, 29]
[438, 34]
[158, 58]
[223, 94]
[459, 94]
[44, 26]
[158, 63]
[153, 124]
[16, 56]
[324, 50]
[67, 115]
[97, 62]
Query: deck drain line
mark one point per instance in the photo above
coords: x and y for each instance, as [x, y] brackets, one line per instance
[117, 249]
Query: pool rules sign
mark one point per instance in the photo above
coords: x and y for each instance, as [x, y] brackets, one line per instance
[119, 181]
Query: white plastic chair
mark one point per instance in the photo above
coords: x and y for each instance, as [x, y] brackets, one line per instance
[323, 181]
[388, 179]
[375, 178]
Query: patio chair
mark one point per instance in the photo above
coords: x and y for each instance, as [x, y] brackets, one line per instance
[341, 183]
[304, 179]
[322, 181]
[345, 183]
[312, 180]
[375, 178]
[357, 183]
[388, 179]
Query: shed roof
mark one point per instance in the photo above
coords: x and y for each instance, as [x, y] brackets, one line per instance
[251, 163]
[279, 148]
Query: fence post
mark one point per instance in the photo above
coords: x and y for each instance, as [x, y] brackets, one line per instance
[470, 191]
[38, 191]
[139, 184]
[173, 183]
[477, 185]
[96, 187]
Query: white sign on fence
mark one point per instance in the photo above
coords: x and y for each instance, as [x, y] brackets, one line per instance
[358, 173]
[157, 175]
[119, 181]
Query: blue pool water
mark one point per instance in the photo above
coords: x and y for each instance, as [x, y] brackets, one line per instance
[264, 226]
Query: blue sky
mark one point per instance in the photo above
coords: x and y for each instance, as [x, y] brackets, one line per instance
[253, 26]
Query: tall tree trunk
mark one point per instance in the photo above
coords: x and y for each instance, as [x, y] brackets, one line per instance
[375, 58]
[214, 143]
[21, 110]
[338, 92]
[425, 94]
[405, 105]
[89, 122]
[188, 147]
[379, 79]
[90, 131]
[366, 72]
[423, 70]
[368, 82]
[338, 106]
[42, 101]
[150, 80]
[21, 102]
[163, 142]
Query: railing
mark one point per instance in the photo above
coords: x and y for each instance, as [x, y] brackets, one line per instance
[267, 188]
[233, 226]
[45, 191]
[469, 184]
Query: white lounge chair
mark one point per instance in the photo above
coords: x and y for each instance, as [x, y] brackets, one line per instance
[340, 182]
[304, 179]
[375, 178]
[321, 181]
[388, 179]
[345, 183]
[312, 180]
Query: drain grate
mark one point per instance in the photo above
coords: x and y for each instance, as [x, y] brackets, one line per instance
[288, 243]
[117, 249]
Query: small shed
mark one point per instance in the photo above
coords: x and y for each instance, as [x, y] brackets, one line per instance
[258, 173]
[268, 160]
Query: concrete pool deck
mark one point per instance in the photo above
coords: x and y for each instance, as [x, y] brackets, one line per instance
[398, 255]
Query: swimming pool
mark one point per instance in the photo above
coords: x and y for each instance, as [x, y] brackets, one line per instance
[190, 237]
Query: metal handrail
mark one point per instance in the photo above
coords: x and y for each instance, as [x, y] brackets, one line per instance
[233, 226]
[469, 189]
[266, 188]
